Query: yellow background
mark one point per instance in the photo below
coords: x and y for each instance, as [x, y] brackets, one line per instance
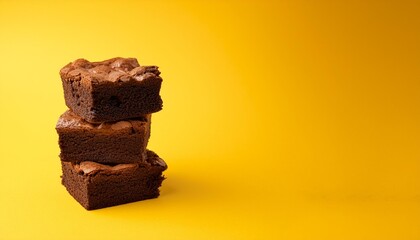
[281, 119]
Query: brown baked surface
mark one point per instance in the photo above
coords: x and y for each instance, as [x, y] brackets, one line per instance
[96, 185]
[110, 142]
[111, 90]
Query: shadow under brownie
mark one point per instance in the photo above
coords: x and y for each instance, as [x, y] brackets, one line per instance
[96, 185]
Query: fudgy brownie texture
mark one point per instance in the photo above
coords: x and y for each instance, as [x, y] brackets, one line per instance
[96, 185]
[110, 142]
[111, 90]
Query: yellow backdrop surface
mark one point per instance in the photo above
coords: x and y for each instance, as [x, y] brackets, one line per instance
[281, 119]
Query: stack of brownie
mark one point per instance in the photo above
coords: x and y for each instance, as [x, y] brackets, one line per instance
[103, 136]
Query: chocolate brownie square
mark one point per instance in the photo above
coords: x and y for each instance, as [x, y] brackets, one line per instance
[110, 142]
[96, 185]
[111, 90]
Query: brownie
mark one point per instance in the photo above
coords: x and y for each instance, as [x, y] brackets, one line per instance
[111, 90]
[109, 142]
[96, 185]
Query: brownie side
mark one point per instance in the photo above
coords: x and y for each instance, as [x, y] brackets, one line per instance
[75, 184]
[114, 101]
[78, 97]
[96, 185]
[113, 143]
[111, 90]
